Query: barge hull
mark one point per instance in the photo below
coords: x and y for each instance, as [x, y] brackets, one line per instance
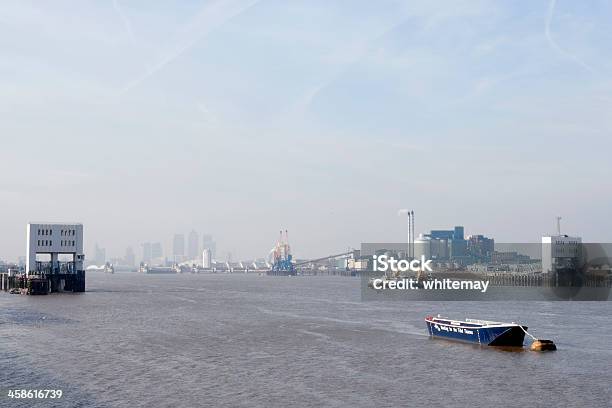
[507, 335]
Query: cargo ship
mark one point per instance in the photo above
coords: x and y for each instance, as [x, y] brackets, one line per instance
[483, 332]
[144, 268]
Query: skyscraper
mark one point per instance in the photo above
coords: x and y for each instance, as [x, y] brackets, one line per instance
[152, 253]
[99, 255]
[178, 247]
[209, 243]
[130, 257]
[156, 250]
[146, 252]
[193, 246]
[206, 258]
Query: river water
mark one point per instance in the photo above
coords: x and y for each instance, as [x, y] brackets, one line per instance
[256, 341]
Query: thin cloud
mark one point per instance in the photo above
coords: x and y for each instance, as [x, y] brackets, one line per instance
[210, 18]
[304, 103]
[433, 18]
[127, 25]
[563, 53]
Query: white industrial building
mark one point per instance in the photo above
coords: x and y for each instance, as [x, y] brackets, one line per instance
[53, 262]
[52, 241]
[559, 251]
[431, 248]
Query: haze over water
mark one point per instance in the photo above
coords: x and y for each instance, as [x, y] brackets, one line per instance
[236, 340]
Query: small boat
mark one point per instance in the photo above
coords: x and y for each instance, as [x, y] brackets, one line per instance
[484, 332]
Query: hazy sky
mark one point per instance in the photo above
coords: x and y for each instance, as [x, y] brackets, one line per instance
[239, 118]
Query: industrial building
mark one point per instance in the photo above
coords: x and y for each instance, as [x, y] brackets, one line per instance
[559, 252]
[480, 248]
[442, 244]
[54, 257]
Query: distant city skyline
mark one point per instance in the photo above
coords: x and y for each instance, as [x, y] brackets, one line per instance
[240, 118]
[148, 253]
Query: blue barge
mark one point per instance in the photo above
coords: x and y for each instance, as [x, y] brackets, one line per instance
[484, 332]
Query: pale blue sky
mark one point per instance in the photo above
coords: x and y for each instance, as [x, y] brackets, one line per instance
[238, 118]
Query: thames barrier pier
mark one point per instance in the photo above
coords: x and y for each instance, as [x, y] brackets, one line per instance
[54, 261]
